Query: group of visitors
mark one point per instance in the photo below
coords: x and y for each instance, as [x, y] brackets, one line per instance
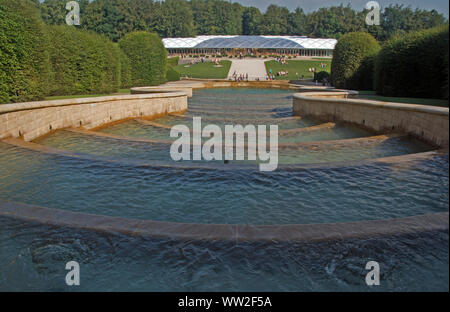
[281, 60]
[240, 77]
[282, 73]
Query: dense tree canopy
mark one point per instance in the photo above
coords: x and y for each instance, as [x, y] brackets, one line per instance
[182, 18]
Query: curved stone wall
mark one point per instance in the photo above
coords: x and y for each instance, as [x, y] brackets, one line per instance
[428, 123]
[226, 232]
[31, 120]
[34, 119]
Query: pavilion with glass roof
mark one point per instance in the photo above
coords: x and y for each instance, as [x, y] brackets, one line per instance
[285, 45]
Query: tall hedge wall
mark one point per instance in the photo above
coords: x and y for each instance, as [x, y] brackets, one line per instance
[82, 62]
[38, 60]
[125, 69]
[352, 65]
[148, 58]
[24, 57]
[415, 65]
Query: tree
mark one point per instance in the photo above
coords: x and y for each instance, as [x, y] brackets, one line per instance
[275, 21]
[251, 20]
[176, 19]
[203, 14]
[54, 12]
[333, 22]
[297, 22]
[104, 18]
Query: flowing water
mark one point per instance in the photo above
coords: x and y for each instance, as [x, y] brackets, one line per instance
[107, 179]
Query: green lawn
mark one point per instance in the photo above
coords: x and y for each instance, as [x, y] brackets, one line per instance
[205, 70]
[79, 96]
[371, 95]
[300, 67]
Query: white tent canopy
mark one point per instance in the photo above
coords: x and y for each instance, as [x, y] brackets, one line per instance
[250, 42]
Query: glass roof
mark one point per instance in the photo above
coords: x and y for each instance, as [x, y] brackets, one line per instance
[250, 42]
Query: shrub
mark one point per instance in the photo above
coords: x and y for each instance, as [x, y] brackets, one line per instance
[415, 65]
[320, 76]
[172, 74]
[83, 62]
[148, 58]
[24, 59]
[349, 54]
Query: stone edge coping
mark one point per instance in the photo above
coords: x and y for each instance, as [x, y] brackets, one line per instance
[299, 145]
[222, 232]
[14, 107]
[212, 166]
[322, 96]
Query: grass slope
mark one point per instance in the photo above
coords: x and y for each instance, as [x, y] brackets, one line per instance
[297, 66]
[205, 70]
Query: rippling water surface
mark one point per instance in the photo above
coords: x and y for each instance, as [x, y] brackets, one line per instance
[111, 179]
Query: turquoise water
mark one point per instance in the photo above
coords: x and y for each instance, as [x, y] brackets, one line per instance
[217, 196]
[109, 180]
[33, 258]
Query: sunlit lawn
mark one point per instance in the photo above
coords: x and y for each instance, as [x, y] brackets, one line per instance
[204, 70]
[297, 66]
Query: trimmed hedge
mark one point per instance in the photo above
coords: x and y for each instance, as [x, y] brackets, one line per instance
[148, 58]
[24, 58]
[352, 67]
[415, 65]
[320, 76]
[82, 62]
[125, 69]
[172, 74]
[173, 61]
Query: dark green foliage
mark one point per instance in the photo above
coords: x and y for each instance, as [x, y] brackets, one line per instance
[82, 62]
[320, 76]
[182, 18]
[349, 67]
[54, 12]
[415, 65]
[148, 58]
[172, 74]
[24, 60]
[364, 77]
[251, 20]
[125, 70]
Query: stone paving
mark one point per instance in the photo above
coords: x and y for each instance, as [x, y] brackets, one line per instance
[255, 69]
